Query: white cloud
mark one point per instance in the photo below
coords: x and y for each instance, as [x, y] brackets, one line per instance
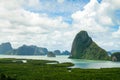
[98, 19]
[33, 3]
[11, 4]
[86, 19]
[116, 34]
[60, 1]
[21, 26]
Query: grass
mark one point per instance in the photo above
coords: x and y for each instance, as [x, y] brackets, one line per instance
[40, 70]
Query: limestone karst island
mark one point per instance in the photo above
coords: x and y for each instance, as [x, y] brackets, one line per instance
[59, 39]
[84, 47]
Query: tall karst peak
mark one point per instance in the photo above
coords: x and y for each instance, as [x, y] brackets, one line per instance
[84, 47]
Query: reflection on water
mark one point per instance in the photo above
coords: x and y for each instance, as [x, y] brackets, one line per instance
[79, 63]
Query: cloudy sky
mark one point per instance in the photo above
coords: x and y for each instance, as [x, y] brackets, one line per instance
[54, 23]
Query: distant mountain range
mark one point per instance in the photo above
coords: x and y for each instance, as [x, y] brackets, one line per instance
[112, 51]
[6, 48]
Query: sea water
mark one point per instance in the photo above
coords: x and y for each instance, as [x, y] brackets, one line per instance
[79, 63]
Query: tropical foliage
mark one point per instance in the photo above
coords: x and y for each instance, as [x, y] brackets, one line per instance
[40, 70]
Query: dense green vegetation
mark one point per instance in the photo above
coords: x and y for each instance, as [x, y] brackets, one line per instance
[95, 52]
[40, 70]
[115, 56]
[6, 77]
[85, 48]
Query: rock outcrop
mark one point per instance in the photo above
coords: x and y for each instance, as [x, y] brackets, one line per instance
[5, 47]
[84, 47]
[51, 54]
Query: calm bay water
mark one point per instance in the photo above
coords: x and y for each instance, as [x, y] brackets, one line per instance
[79, 63]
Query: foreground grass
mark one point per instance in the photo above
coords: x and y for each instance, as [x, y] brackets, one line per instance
[40, 70]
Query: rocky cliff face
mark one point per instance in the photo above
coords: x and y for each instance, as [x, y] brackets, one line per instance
[85, 48]
[5, 47]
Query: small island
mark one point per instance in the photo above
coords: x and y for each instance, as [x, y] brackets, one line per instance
[51, 54]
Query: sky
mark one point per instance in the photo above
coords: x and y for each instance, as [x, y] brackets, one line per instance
[53, 24]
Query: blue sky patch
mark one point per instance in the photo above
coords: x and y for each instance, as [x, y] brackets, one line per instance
[54, 9]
